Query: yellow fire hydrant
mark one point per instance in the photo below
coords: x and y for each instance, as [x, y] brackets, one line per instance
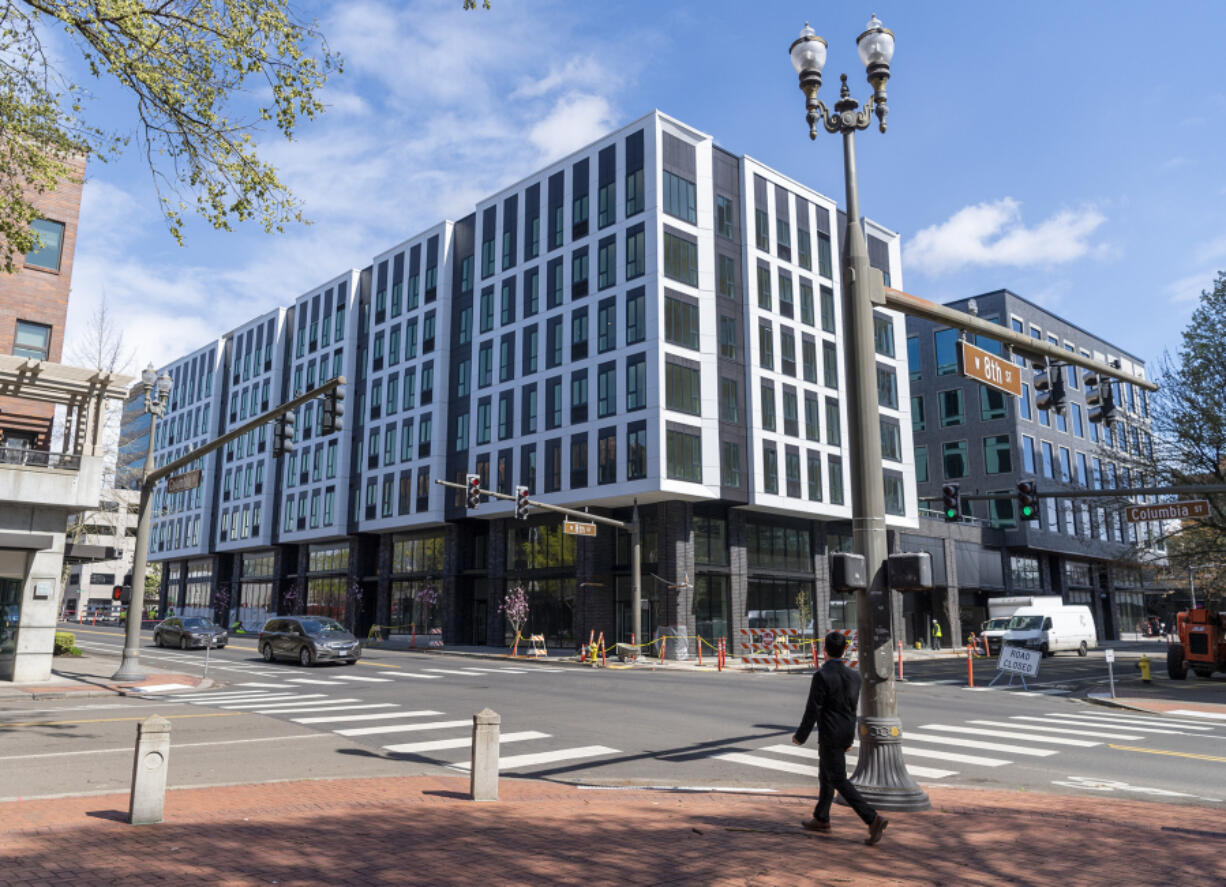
[1143, 664]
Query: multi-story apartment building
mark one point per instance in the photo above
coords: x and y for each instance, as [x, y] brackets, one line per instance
[1079, 547]
[111, 530]
[653, 323]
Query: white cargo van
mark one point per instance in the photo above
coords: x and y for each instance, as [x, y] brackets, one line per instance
[1051, 628]
[1001, 610]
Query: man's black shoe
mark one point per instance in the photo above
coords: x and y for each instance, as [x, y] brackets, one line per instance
[816, 825]
[875, 830]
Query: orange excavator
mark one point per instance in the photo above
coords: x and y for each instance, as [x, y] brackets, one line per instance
[1202, 642]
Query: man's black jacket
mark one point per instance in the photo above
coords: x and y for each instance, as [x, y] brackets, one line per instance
[834, 696]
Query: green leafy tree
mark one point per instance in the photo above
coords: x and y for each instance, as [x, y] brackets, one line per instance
[1189, 424]
[191, 68]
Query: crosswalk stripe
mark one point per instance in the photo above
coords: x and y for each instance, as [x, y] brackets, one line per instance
[411, 748]
[1011, 734]
[403, 728]
[547, 757]
[769, 763]
[451, 671]
[358, 677]
[1129, 719]
[224, 694]
[310, 681]
[307, 699]
[413, 674]
[322, 707]
[279, 696]
[1077, 721]
[1191, 712]
[907, 751]
[381, 716]
[1095, 733]
[290, 700]
[257, 684]
[494, 670]
[976, 743]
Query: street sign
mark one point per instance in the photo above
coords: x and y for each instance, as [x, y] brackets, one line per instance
[1019, 660]
[1188, 508]
[986, 367]
[179, 483]
[578, 528]
[1110, 654]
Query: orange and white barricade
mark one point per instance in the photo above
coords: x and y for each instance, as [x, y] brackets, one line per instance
[777, 647]
[436, 637]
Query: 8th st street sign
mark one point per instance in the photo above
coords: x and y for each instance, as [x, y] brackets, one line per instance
[986, 367]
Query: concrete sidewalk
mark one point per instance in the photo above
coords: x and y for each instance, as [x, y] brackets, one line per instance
[90, 675]
[420, 830]
[1211, 712]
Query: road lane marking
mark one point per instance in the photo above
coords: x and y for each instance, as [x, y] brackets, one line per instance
[950, 756]
[357, 677]
[413, 674]
[452, 671]
[1190, 712]
[1131, 719]
[1174, 754]
[310, 681]
[413, 748]
[986, 746]
[1011, 734]
[1098, 734]
[404, 728]
[257, 699]
[1078, 721]
[546, 757]
[213, 714]
[127, 749]
[376, 664]
[257, 684]
[381, 716]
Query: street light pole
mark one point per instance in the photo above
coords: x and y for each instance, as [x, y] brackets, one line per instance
[155, 406]
[881, 774]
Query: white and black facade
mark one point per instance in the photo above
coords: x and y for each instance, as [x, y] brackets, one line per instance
[651, 320]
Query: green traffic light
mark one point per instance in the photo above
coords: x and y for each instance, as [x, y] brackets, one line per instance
[951, 513]
[1027, 511]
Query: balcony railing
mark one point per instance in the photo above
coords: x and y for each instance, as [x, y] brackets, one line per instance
[29, 458]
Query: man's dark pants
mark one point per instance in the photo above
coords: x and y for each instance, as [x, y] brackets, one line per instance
[832, 777]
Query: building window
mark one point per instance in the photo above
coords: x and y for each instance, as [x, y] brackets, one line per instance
[767, 396]
[783, 239]
[891, 440]
[729, 410]
[636, 256]
[998, 454]
[946, 342]
[680, 198]
[32, 340]
[834, 433]
[830, 364]
[578, 334]
[825, 264]
[887, 388]
[578, 273]
[727, 337]
[895, 495]
[606, 456]
[762, 230]
[917, 413]
[804, 246]
[578, 461]
[766, 345]
[921, 465]
[770, 468]
[727, 277]
[47, 254]
[682, 388]
[764, 288]
[791, 470]
[725, 219]
[786, 305]
[992, 403]
[680, 322]
[606, 325]
[883, 335]
[578, 397]
[684, 455]
[636, 382]
[680, 259]
[730, 464]
[606, 263]
[954, 455]
[951, 407]
[636, 317]
[636, 451]
[606, 389]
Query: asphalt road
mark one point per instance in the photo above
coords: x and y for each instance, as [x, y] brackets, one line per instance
[405, 712]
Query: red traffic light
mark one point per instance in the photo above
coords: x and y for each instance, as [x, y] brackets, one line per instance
[117, 593]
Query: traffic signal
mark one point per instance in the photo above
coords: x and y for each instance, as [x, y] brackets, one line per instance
[283, 434]
[1028, 499]
[951, 503]
[332, 411]
[1049, 383]
[117, 593]
[1100, 398]
[473, 482]
[521, 503]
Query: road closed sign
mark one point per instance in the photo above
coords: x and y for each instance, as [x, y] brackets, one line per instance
[1019, 660]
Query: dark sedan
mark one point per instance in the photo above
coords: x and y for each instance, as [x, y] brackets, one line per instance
[189, 631]
[308, 639]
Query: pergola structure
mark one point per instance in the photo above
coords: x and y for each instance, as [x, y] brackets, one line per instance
[82, 391]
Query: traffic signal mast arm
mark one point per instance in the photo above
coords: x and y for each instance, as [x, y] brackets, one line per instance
[1084, 493]
[262, 419]
[569, 512]
[1022, 344]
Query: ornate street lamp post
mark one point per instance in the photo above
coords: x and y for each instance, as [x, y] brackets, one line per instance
[155, 406]
[881, 775]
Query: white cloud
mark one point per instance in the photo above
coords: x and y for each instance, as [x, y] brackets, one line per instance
[992, 234]
[1187, 290]
[574, 121]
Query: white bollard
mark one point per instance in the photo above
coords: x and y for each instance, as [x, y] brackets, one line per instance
[149, 771]
[483, 784]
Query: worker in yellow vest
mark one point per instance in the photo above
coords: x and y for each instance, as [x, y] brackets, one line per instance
[936, 635]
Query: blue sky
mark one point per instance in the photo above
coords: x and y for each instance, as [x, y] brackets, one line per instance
[1068, 152]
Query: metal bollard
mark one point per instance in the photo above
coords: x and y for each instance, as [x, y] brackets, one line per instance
[149, 771]
[483, 783]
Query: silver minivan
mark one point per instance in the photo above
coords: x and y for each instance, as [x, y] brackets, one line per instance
[308, 639]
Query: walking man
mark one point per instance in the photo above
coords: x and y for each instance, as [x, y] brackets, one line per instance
[833, 697]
